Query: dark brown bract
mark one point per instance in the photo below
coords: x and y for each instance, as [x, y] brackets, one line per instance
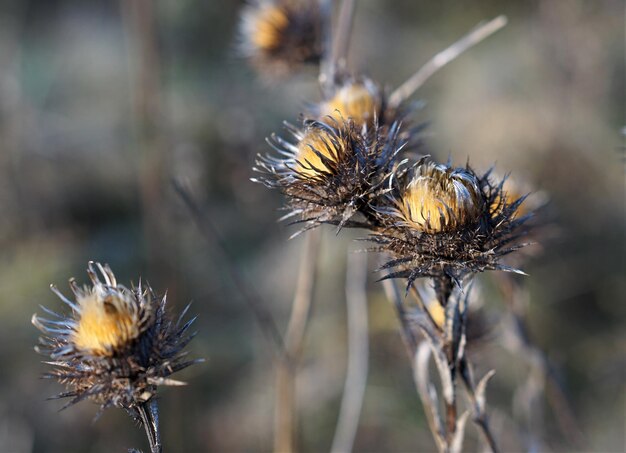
[331, 171]
[116, 347]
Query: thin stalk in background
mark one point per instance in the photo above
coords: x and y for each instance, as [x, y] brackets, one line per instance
[358, 345]
[219, 250]
[140, 25]
[518, 342]
[338, 42]
[287, 349]
[285, 414]
[343, 31]
[408, 337]
[482, 31]
[150, 142]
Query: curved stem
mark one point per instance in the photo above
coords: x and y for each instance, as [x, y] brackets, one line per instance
[480, 417]
[482, 31]
[356, 376]
[285, 419]
[337, 46]
[149, 414]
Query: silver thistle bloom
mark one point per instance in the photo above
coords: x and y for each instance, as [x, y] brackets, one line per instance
[332, 172]
[117, 345]
[447, 223]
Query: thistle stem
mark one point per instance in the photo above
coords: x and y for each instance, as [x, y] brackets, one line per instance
[285, 417]
[341, 40]
[443, 289]
[480, 417]
[149, 414]
[356, 375]
[451, 415]
[408, 337]
[482, 31]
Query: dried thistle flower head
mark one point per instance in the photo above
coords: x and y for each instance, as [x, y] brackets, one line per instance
[281, 35]
[107, 320]
[331, 172]
[439, 198]
[360, 101]
[439, 223]
[116, 347]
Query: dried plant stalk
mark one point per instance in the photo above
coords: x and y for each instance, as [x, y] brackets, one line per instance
[285, 417]
[356, 376]
[218, 249]
[446, 346]
[444, 57]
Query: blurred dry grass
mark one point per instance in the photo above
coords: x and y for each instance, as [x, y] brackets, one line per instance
[544, 98]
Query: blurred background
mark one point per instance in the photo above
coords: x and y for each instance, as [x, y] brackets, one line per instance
[103, 104]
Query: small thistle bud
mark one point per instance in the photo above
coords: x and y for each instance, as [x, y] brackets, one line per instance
[116, 347]
[362, 101]
[359, 101]
[440, 198]
[280, 35]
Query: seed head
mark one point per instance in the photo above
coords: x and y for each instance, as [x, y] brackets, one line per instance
[439, 198]
[281, 35]
[331, 172]
[440, 222]
[116, 347]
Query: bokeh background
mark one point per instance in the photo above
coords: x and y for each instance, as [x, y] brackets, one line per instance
[103, 104]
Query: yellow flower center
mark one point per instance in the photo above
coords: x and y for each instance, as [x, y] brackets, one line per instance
[269, 26]
[310, 163]
[106, 323]
[437, 200]
[353, 101]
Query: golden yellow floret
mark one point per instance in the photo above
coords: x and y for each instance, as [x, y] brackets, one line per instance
[354, 101]
[106, 323]
[324, 142]
[269, 25]
[439, 199]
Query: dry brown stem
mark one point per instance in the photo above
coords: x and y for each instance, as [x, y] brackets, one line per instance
[482, 31]
[285, 416]
[356, 375]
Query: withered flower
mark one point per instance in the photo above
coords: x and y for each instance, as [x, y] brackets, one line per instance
[439, 198]
[331, 171]
[116, 347]
[364, 102]
[280, 35]
[358, 100]
[446, 223]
